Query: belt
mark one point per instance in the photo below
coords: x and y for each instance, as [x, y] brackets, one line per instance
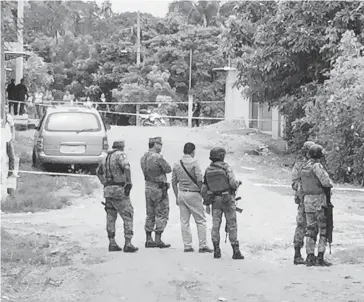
[120, 184]
[190, 191]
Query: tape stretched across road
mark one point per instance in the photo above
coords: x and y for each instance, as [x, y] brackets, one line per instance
[255, 184]
[163, 116]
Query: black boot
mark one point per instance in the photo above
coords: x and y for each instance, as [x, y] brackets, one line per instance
[217, 251]
[311, 260]
[113, 246]
[236, 251]
[158, 241]
[297, 260]
[320, 261]
[128, 247]
[149, 243]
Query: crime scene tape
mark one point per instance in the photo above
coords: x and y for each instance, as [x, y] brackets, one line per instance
[166, 116]
[124, 103]
[94, 176]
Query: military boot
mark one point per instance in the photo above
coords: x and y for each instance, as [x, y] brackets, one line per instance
[320, 261]
[113, 246]
[297, 257]
[128, 247]
[310, 260]
[217, 251]
[158, 241]
[149, 243]
[236, 252]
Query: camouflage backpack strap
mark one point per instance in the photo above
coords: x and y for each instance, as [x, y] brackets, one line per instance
[108, 167]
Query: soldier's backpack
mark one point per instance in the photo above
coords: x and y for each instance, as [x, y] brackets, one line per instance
[217, 179]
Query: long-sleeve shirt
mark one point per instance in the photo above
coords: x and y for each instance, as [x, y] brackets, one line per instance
[180, 177]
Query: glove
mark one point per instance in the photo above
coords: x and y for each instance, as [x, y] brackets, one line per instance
[127, 189]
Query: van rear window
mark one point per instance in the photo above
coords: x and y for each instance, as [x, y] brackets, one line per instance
[72, 121]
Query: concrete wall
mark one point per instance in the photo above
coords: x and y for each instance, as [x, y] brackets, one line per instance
[236, 105]
[255, 115]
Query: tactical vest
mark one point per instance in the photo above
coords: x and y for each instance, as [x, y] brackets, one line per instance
[310, 184]
[153, 172]
[113, 174]
[217, 179]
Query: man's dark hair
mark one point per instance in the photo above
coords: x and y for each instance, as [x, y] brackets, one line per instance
[12, 80]
[151, 145]
[189, 148]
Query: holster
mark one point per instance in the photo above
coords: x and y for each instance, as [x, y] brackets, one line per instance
[127, 189]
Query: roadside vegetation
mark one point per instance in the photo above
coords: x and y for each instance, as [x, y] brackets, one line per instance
[36, 192]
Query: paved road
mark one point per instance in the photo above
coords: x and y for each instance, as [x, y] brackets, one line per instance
[265, 232]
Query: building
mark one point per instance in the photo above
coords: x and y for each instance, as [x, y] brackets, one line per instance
[255, 115]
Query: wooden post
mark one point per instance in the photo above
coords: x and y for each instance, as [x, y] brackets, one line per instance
[138, 38]
[190, 113]
[190, 96]
[137, 122]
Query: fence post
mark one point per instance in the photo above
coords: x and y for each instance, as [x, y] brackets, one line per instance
[137, 122]
[190, 105]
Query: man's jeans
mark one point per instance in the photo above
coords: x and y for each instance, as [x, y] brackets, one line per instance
[191, 203]
[11, 154]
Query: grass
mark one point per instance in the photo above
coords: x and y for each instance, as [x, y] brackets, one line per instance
[25, 249]
[26, 259]
[36, 192]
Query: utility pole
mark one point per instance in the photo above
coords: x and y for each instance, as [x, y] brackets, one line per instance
[137, 122]
[3, 177]
[19, 29]
[190, 97]
[2, 66]
[138, 38]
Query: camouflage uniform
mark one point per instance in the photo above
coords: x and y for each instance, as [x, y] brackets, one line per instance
[155, 168]
[223, 204]
[298, 239]
[314, 178]
[114, 174]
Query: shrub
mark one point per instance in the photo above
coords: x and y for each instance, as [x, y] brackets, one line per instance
[336, 115]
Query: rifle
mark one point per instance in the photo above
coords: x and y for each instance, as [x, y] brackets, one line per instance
[329, 216]
[239, 210]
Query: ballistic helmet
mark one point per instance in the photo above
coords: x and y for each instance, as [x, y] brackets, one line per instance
[316, 151]
[217, 153]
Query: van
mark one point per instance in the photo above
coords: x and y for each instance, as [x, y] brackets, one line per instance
[70, 135]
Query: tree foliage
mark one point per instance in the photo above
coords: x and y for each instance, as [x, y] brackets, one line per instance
[295, 55]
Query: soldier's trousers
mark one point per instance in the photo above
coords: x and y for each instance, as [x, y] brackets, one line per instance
[126, 211]
[157, 209]
[300, 232]
[316, 223]
[229, 209]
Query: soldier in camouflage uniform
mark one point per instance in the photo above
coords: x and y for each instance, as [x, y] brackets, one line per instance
[300, 231]
[314, 179]
[155, 168]
[114, 173]
[222, 199]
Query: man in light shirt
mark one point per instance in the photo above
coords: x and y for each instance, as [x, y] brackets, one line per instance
[186, 183]
[9, 135]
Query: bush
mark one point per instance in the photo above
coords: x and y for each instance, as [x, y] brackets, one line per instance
[336, 115]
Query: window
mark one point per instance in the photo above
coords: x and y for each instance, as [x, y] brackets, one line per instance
[73, 121]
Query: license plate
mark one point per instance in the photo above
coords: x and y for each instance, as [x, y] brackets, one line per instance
[73, 149]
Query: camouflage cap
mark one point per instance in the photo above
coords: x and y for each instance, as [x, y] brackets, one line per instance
[157, 140]
[118, 144]
[217, 153]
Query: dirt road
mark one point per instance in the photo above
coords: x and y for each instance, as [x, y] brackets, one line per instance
[265, 231]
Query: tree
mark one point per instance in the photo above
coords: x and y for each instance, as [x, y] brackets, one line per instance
[336, 115]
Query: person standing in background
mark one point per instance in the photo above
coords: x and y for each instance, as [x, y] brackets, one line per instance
[21, 92]
[11, 90]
